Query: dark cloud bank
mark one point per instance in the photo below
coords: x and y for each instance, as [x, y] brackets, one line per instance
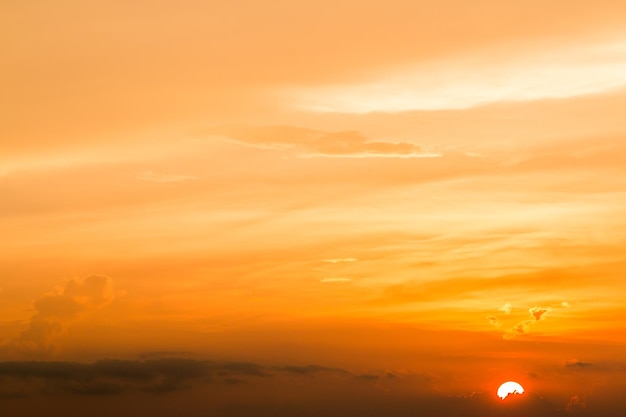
[187, 387]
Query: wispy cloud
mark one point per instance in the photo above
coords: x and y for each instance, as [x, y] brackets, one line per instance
[161, 177]
[340, 260]
[494, 321]
[469, 81]
[335, 279]
[506, 308]
[575, 363]
[316, 143]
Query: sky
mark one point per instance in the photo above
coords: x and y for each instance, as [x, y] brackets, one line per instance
[312, 208]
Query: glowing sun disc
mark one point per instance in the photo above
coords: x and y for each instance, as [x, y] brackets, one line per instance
[509, 387]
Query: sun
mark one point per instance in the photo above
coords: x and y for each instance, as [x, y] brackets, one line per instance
[509, 387]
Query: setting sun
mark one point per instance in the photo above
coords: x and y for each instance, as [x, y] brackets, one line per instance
[509, 388]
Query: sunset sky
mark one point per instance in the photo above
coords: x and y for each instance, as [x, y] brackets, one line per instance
[312, 208]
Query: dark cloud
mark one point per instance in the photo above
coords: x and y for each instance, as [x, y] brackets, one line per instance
[317, 143]
[242, 389]
[311, 369]
[109, 376]
[163, 354]
[573, 363]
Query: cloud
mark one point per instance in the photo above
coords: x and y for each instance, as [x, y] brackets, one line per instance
[336, 279]
[340, 260]
[311, 369]
[456, 83]
[573, 363]
[493, 320]
[317, 143]
[523, 327]
[576, 404]
[519, 329]
[506, 308]
[538, 312]
[249, 389]
[565, 304]
[112, 376]
[55, 310]
[160, 177]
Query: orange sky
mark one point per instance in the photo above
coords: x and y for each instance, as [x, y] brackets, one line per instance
[403, 187]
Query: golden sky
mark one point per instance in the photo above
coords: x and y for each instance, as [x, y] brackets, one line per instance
[406, 201]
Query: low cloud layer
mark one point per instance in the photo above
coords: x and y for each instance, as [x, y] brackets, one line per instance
[203, 387]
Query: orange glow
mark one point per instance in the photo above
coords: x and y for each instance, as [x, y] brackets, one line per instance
[411, 197]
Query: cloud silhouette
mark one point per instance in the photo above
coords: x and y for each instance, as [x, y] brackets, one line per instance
[312, 389]
[110, 377]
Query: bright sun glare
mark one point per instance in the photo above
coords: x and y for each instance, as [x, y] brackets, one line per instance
[509, 387]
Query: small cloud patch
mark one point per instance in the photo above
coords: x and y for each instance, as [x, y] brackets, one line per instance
[574, 363]
[506, 308]
[335, 279]
[340, 260]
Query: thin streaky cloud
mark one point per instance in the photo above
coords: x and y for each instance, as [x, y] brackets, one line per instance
[340, 260]
[462, 83]
[163, 177]
[312, 143]
[335, 279]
